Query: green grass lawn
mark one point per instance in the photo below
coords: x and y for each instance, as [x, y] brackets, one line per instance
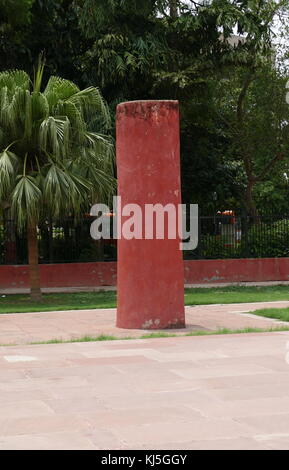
[222, 331]
[276, 313]
[90, 300]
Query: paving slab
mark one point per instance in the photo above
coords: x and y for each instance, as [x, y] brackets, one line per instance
[210, 392]
[25, 328]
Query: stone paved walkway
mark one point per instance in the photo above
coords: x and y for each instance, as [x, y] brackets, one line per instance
[23, 328]
[213, 392]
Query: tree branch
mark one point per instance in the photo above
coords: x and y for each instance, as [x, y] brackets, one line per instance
[278, 157]
[240, 119]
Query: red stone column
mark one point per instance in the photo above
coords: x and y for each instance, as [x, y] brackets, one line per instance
[150, 271]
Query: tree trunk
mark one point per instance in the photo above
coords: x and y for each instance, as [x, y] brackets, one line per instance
[173, 8]
[250, 203]
[34, 274]
[10, 239]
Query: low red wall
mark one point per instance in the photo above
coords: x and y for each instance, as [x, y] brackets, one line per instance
[237, 270]
[104, 274]
[61, 275]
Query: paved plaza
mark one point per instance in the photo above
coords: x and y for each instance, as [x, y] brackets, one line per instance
[213, 392]
[25, 328]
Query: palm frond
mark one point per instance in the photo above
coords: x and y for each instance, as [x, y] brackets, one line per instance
[38, 74]
[103, 184]
[4, 102]
[91, 102]
[8, 167]
[52, 133]
[40, 107]
[26, 201]
[13, 79]
[60, 88]
[63, 189]
[101, 149]
[16, 112]
[28, 122]
[72, 114]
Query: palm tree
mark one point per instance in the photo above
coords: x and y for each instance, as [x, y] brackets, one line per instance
[52, 162]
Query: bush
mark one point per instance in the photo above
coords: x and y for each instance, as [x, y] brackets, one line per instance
[215, 247]
[269, 240]
[264, 240]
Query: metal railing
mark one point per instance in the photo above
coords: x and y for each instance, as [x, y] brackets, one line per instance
[220, 237]
[64, 241]
[240, 235]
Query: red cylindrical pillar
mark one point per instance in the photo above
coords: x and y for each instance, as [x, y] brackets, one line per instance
[150, 271]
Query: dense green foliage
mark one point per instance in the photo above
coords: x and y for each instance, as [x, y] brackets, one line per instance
[234, 126]
[263, 240]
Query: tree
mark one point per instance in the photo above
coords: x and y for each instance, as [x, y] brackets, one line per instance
[54, 31]
[15, 16]
[148, 48]
[251, 94]
[53, 162]
[9, 7]
[47, 27]
[257, 118]
[154, 49]
[173, 49]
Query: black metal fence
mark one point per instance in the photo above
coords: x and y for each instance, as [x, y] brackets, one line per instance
[64, 241]
[230, 234]
[223, 235]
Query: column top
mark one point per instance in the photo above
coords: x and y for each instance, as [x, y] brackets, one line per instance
[143, 108]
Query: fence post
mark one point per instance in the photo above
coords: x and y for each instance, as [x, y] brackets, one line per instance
[245, 233]
[199, 250]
